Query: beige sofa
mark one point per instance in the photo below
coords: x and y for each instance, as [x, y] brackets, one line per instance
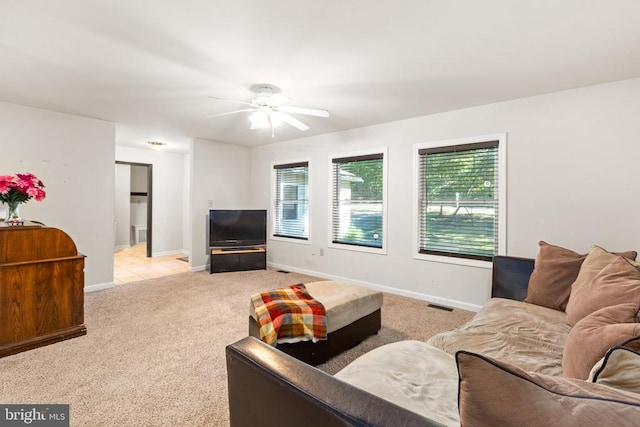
[566, 355]
[423, 377]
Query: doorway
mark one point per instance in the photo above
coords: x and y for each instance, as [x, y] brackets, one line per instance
[134, 205]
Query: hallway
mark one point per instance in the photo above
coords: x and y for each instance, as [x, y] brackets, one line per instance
[131, 265]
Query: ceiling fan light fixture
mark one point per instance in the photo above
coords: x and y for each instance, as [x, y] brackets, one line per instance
[276, 118]
[265, 118]
[262, 101]
[157, 145]
[259, 120]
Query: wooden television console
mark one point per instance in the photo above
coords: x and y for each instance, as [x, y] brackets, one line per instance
[238, 259]
[41, 287]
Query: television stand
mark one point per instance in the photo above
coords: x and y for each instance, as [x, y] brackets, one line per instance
[238, 259]
[242, 249]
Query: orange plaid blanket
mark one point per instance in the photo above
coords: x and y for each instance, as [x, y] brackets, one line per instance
[289, 315]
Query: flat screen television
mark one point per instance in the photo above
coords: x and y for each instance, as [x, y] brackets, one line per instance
[236, 228]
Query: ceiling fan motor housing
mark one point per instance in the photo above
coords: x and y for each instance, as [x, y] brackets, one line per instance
[268, 96]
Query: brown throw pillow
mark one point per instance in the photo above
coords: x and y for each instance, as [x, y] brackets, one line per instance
[592, 336]
[617, 283]
[618, 369]
[632, 344]
[494, 393]
[556, 268]
[596, 260]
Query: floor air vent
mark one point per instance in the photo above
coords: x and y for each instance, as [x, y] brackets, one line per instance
[440, 307]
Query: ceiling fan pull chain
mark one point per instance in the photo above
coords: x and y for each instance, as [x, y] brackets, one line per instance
[273, 129]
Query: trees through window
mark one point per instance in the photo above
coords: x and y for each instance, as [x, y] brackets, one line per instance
[358, 197]
[459, 200]
[291, 200]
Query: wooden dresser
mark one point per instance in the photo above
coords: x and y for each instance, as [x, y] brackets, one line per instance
[41, 288]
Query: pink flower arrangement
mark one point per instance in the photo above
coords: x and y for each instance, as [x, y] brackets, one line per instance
[21, 187]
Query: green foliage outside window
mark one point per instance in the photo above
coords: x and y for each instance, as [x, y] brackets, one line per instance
[460, 207]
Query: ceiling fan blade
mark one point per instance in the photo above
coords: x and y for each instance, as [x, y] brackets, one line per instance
[230, 112]
[292, 121]
[232, 100]
[301, 110]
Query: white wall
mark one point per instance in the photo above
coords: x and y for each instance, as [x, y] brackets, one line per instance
[168, 198]
[74, 157]
[220, 180]
[572, 162]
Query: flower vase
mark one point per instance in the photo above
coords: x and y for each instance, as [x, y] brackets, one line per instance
[12, 210]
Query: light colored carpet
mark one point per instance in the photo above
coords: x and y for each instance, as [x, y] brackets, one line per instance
[154, 352]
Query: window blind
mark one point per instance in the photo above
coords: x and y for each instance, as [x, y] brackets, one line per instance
[357, 200]
[291, 200]
[459, 200]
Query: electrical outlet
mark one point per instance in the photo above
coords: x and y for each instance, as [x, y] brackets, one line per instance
[210, 202]
[321, 252]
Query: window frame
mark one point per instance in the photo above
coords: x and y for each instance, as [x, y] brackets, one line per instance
[502, 198]
[385, 238]
[274, 195]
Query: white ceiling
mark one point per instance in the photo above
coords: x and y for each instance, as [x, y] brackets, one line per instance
[151, 65]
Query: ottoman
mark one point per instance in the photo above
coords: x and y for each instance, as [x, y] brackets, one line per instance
[353, 314]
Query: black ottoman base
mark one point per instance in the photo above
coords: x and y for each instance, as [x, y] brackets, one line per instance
[336, 342]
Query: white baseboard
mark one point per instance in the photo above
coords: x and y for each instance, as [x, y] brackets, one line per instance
[199, 268]
[99, 287]
[411, 294]
[119, 247]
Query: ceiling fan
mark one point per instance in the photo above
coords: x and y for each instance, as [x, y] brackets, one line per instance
[267, 109]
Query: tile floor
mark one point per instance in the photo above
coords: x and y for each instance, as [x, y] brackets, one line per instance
[131, 264]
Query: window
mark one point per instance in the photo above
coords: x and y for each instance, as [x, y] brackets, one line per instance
[358, 201]
[291, 200]
[460, 187]
[290, 203]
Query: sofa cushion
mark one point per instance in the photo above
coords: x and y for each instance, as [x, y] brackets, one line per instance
[526, 335]
[494, 393]
[556, 268]
[344, 302]
[411, 374]
[596, 260]
[617, 283]
[619, 369]
[592, 336]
